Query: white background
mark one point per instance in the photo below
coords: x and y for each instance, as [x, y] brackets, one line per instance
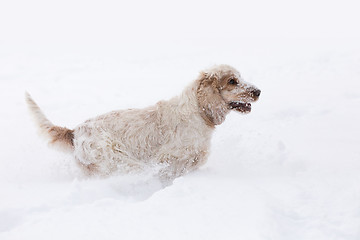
[288, 170]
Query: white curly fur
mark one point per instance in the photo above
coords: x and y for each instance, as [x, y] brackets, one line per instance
[173, 135]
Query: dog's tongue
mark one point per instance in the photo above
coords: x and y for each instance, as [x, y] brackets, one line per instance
[239, 105]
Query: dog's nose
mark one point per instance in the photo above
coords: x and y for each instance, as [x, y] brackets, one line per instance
[256, 92]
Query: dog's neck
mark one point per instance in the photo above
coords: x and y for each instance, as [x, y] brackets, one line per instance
[190, 99]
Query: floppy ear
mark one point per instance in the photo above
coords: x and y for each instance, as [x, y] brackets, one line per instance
[210, 100]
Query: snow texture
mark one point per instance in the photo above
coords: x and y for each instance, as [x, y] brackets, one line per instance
[288, 170]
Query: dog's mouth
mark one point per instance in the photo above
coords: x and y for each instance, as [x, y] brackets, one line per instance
[243, 107]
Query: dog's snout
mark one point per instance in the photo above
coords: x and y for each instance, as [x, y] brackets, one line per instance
[256, 92]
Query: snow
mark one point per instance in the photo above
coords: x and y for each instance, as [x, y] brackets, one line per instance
[288, 170]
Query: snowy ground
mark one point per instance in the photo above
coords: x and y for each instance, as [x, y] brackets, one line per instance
[289, 170]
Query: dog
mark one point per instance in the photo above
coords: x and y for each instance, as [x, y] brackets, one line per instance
[173, 134]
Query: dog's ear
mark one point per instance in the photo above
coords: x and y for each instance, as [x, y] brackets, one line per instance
[210, 101]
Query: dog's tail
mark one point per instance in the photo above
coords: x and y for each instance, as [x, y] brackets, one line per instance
[59, 137]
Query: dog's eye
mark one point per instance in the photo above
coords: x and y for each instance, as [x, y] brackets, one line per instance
[232, 81]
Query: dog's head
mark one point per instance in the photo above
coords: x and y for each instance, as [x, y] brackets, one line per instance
[221, 89]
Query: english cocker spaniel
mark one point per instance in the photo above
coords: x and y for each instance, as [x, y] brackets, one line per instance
[173, 134]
